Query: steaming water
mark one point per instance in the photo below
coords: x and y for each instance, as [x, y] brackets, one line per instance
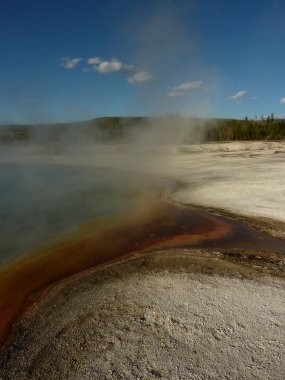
[39, 202]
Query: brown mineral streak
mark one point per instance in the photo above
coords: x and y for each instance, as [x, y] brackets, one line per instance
[160, 225]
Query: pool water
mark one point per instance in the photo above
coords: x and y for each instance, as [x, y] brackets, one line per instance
[40, 202]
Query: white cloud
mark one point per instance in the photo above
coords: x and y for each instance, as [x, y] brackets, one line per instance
[70, 63]
[140, 77]
[174, 94]
[238, 95]
[188, 86]
[183, 88]
[94, 60]
[282, 101]
[113, 66]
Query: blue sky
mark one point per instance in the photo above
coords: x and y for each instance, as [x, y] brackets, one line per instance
[75, 60]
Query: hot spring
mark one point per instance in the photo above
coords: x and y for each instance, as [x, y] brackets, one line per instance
[60, 219]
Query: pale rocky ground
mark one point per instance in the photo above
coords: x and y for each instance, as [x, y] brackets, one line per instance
[178, 314]
[247, 178]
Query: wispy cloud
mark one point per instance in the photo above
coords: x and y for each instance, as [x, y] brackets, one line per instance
[140, 77]
[116, 66]
[282, 101]
[70, 63]
[174, 94]
[113, 66]
[183, 88]
[188, 86]
[94, 61]
[100, 66]
[238, 95]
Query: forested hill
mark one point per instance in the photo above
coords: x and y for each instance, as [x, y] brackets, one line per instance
[105, 128]
[108, 129]
[264, 129]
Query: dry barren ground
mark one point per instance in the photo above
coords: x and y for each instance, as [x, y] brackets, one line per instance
[179, 314]
[246, 178]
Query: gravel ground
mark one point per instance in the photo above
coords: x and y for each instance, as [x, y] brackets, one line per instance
[175, 314]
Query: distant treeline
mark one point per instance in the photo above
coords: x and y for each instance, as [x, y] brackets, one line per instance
[247, 129]
[101, 129]
[110, 129]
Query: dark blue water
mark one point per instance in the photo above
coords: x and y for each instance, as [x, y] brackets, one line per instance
[40, 202]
